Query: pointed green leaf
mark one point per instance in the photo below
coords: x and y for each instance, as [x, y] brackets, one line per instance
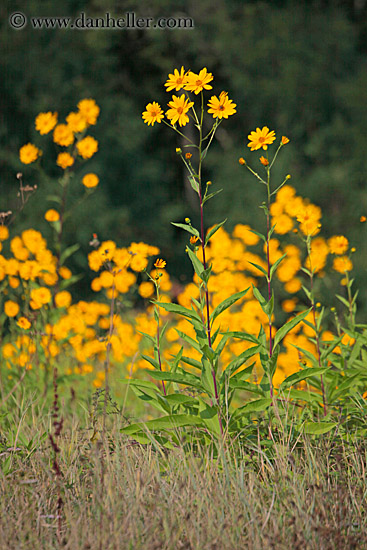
[213, 230]
[227, 303]
[318, 428]
[187, 228]
[283, 331]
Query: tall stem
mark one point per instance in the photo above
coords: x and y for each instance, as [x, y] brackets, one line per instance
[204, 261]
[268, 277]
[158, 339]
[314, 322]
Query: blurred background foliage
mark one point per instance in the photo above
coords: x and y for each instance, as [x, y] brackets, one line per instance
[298, 67]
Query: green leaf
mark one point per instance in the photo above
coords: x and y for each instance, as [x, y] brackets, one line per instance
[68, 252]
[188, 339]
[227, 303]
[211, 195]
[260, 235]
[254, 406]
[187, 228]
[214, 230]
[180, 310]
[259, 268]
[192, 362]
[207, 377]
[152, 361]
[343, 300]
[275, 265]
[241, 335]
[181, 399]
[283, 331]
[308, 396]
[266, 306]
[194, 183]
[241, 359]
[168, 422]
[198, 266]
[181, 377]
[209, 415]
[301, 375]
[318, 428]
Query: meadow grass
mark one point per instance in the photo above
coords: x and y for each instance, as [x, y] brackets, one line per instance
[118, 494]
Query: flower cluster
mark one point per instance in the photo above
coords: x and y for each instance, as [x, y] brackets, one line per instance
[182, 107]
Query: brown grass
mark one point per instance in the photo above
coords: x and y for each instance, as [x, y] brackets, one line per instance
[119, 495]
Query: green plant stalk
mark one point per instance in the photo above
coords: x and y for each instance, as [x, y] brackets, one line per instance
[158, 336]
[204, 259]
[268, 272]
[317, 336]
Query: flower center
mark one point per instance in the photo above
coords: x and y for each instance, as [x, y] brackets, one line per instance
[261, 139]
[221, 108]
[154, 113]
[179, 81]
[180, 110]
[199, 83]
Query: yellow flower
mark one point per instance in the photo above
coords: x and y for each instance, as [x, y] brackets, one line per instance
[308, 216]
[261, 138]
[87, 147]
[242, 161]
[160, 264]
[89, 109]
[29, 153]
[4, 233]
[65, 272]
[342, 264]
[179, 107]
[23, 323]
[289, 305]
[63, 135]
[221, 107]
[45, 122]
[176, 80]
[264, 161]
[285, 140]
[362, 219]
[52, 215]
[338, 244]
[153, 114]
[11, 308]
[64, 160]
[63, 299]
[146, 289]
[198, 82]
[194, 239]
[39, 297]
[283, 224]
[90, 180]
[76, 122]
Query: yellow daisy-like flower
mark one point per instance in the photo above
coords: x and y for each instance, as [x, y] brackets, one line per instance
[76, 122]
[45, 122]
[65, 272]
[29, 153]
[90, 180]
[39, 297]
[23, 323]
[338, 244]
[342, 264]
[261, 138]
[87, 147]
[179, 107]
[4, 233]
[176, 81]
[89, 109]
[52, 215]
[285, 140]
[63, 299]
[146, 289]
[264, 161]
[64, 160]
[160, 264]
[221, 107]
[198, 82]
[308, 217]
[11, 308]
[153, 114]
[63, 135]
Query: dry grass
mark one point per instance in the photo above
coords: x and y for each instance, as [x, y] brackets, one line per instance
[119, 495]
